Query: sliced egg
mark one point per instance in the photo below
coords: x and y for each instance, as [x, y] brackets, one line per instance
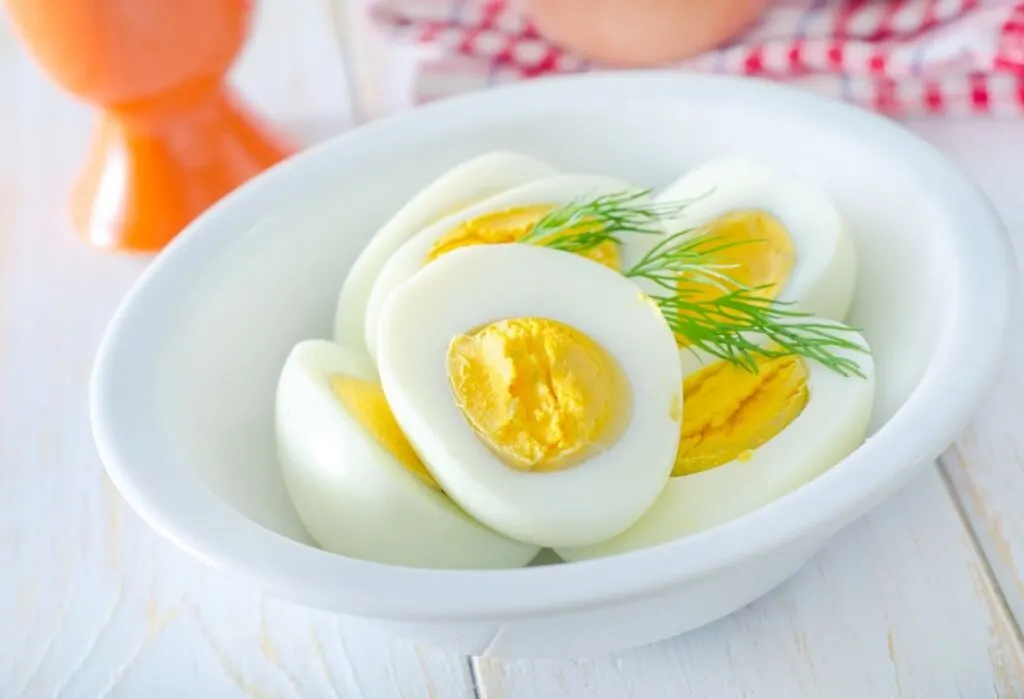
[463, 185]
[357, 484]
[503, 218]
[542, 390]
[748, 439]
[771, 230]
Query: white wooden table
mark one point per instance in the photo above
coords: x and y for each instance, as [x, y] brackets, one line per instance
[922, 598]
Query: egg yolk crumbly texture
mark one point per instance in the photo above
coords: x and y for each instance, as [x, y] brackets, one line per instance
[511, 226]
[728, 411]
[542, 395]
[366, 402]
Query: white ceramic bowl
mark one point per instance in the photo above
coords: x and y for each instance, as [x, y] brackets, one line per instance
[184, 382]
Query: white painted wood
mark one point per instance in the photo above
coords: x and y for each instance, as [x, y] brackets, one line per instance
[93, 603]
[898, 605]
[987, 465]
[381, 71]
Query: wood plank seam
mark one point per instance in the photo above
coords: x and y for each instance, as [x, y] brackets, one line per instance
[354, 57]
[986, 564]
[475, 679]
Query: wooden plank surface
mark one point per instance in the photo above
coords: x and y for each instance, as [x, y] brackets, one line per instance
[899, 605]
[93, 603]
[986, 466]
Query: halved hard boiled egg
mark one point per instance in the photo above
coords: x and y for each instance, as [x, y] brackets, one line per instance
[357, 484]
[749, 438]
[768, 229]
[542, 389]
[503, 218]
[463, 185]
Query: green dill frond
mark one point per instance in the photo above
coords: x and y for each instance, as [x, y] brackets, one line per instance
[738, 325]
[584, 224]
[687, 254]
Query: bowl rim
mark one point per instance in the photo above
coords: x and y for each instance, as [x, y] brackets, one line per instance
[178, 505]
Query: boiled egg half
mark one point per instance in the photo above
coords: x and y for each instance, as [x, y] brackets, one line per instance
[542, 389]
[503, 218]
[767, 229]
[357, 484]
[749, 438]
[463, 185]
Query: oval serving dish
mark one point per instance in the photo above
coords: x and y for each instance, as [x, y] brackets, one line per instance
[183, 386]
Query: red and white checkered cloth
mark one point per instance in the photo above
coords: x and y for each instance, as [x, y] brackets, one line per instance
[899, 57]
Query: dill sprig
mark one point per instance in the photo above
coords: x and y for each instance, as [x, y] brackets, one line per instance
[724, 326]
[584, 224]
[739, 325]
[686, 254]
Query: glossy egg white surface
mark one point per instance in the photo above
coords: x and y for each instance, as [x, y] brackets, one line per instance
[825, 272]
[471, 287]
[467, 183]
[831, 425]
[558, 189]
[352, 495]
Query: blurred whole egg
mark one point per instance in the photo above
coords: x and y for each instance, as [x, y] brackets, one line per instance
[635, 33]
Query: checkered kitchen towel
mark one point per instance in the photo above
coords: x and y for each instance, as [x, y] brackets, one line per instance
[899, 57]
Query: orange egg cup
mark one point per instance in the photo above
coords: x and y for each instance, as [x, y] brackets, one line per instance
[172, 138]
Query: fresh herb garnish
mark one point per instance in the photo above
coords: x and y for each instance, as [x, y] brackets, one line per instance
[737, 325]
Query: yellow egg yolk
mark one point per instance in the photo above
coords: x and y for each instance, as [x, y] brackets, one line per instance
[366, 402]
[755, 251]
[510, 226]
[729, 411]
[751, 248]
[541, 395]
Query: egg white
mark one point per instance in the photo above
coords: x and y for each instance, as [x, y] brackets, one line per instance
[474, 286]
[558, 190]
[823, 278]
[461, 186]
[353, 496]
[830, 427]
